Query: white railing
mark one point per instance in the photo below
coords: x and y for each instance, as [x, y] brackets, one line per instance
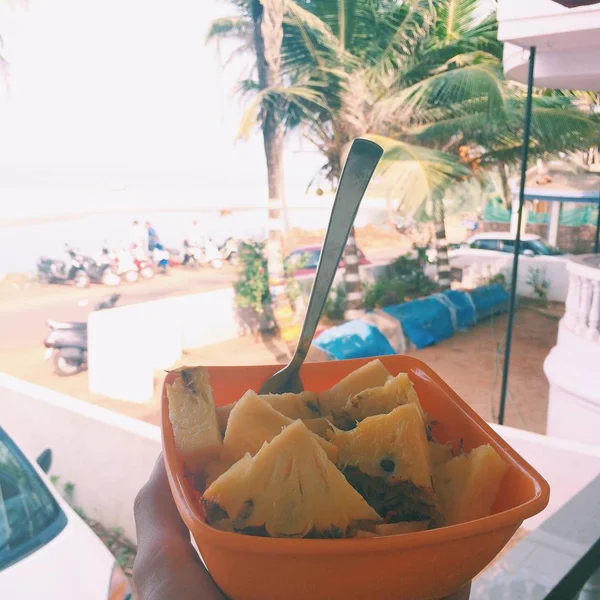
[582, 314]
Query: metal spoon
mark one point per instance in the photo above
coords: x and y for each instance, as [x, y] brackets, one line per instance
[360, 165]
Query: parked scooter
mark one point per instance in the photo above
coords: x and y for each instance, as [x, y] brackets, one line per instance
[101, 271]
[229, 250]
[123, 264]
[50, 270]
[209, 254]
[67, 343]
[142, 262]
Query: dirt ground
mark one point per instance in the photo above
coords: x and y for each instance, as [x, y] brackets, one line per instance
[471, 362]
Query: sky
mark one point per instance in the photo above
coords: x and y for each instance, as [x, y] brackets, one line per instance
[104, 93]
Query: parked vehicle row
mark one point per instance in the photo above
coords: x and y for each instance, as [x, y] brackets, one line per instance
[131, 263]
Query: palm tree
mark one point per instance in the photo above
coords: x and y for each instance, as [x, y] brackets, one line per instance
[259, 25]
[340, 66]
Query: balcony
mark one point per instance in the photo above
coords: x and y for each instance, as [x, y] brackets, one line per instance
[572, 365]
[567, 42]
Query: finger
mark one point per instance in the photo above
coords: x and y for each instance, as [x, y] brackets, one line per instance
[167, 565]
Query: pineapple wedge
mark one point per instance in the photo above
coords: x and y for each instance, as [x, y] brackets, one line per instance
[304, 405]
[288, 489]
[467, 485]
[379, 400]
[371, 375]
[440, 453]
[386, 458]
[253, 422]
[193, 417]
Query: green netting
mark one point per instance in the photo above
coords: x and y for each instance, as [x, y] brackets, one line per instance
[579, 215]
[496, 212]
[576, 216]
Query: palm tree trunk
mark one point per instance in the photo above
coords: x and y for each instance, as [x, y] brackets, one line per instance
[506, 191]
[443, 265]
[267, 16]
[354, 297]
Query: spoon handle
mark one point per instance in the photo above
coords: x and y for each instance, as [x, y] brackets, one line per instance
[360, 165]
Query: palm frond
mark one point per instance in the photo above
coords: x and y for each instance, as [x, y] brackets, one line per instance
[410, 174]
[455, 18]
[234, 27]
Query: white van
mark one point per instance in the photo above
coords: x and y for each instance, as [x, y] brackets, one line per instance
[46, 550]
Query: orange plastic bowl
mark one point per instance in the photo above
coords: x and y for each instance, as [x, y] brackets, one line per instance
[419, 566]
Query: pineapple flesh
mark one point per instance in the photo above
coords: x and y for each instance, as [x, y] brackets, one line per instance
[386, 458]
[304, 405]
[396, 391]
[467, 485]
[193, 417]
[288, 489]
[371, 375]
[253, 422]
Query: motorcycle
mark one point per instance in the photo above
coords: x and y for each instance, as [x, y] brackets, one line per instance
[195, 256]
[124, 265]
[67, 343]
[229, 250]
[50, 270]
[141, 261]
[101, 271]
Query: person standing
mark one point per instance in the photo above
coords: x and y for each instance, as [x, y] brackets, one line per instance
[153, 239]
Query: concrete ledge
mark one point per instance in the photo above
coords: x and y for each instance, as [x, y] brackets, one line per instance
[106, 455]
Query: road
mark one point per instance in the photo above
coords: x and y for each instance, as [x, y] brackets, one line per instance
[24, 312]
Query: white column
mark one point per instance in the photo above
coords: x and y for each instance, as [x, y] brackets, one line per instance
[585, 302]
[572, 301]
[555, 208]
[593, 331]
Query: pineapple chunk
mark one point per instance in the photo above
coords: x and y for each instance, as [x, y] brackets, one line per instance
[304, 405]
[223, 413]
[379, 400]
[386, 458]
[440, 453]
[288, 489]
[467, 485]
[253, 422]
[193, 417]
[320, 426]
[371, 375]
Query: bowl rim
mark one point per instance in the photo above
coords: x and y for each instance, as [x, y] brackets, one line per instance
[510, 518]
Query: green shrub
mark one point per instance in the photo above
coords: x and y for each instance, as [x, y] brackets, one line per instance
[335, 305]
[386, 291]
[537, 279]
[409, 271]
[252, 286]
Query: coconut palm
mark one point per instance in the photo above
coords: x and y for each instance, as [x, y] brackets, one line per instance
[340, 67]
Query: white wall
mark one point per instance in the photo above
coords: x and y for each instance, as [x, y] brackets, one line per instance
[109, 457]
[106, 455]
[126, 344]
[482, 266]
[574, 399]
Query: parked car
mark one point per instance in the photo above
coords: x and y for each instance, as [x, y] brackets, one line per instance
[307, 258]
[46, 549]
[488, 245]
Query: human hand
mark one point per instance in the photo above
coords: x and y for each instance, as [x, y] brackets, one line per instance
[166, 566]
